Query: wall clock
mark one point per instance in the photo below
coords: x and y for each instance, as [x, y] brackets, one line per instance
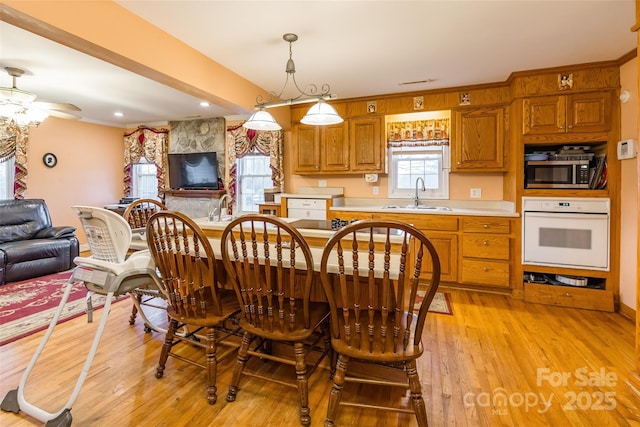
[50, 160]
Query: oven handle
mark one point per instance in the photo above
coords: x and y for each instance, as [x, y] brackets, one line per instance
[566, 215]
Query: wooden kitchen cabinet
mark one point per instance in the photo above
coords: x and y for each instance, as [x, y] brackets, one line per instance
[353, 146]
[569, 296]
[558, 114]
[320, 149]
[486, 251]
[474, 251]
[367, 145]
[478, 144]
[306, 149]
[446, 245]
[441, 230]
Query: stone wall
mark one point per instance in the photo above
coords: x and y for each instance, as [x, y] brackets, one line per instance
[199, 136]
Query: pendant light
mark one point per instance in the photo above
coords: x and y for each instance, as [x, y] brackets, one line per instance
[320, 113]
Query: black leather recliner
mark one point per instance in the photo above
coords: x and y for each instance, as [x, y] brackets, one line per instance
[29, 245]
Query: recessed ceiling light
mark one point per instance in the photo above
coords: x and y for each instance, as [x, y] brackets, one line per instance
[417, 82]
[204, 104]
[118, 114]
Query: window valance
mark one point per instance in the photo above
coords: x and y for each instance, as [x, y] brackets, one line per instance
[418, 133]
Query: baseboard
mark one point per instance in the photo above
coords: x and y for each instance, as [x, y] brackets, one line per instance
[627, 312]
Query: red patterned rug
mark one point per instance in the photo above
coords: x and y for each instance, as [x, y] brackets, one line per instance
[27, 307]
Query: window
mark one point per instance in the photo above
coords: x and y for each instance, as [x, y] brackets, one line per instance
[253, 175]
[7, 174]
[144, 181]
[419, 148]
[430, 163]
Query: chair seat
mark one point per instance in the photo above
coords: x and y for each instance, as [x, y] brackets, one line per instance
[318, 313]
[229, 304]
[389, 350]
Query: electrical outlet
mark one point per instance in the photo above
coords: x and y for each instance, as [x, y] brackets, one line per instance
[322, 183]
[376, 190]
[476, 193]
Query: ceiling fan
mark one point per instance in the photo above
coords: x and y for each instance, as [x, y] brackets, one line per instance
[16, 102]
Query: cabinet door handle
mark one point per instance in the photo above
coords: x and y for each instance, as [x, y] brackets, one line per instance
[485, 225]
[485, 269]
[567, 294]
[485, 243]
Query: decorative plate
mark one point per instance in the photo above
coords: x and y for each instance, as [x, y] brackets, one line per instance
[50, 160]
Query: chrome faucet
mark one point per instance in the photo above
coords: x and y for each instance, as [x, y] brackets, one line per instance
[417, 198]
[224, 199]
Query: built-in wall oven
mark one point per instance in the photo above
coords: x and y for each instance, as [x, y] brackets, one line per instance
[566, 232]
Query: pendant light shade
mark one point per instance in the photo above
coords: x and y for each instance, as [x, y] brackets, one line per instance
[261, 120]
[321, 113]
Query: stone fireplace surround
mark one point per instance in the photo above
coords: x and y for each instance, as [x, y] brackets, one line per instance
[197, 136]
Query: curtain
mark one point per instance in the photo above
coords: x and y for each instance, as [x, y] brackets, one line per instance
[152, 144]
[418, 133]
[242, 141]
[13, 142]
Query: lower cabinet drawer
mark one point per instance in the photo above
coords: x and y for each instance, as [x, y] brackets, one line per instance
[485, 246]
[482, 272]
[320, 204]
[566, 296]
[307, 213]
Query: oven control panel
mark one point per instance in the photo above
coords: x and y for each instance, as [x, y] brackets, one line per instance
[568, 204]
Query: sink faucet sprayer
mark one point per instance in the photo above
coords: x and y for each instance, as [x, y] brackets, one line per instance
[417, 199]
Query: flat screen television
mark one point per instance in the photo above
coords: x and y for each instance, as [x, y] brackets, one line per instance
[193, 171]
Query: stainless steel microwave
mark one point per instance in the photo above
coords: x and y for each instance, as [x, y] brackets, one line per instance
[557, 174]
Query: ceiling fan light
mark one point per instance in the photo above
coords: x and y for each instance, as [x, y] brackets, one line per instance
[30, 117]
[261, 120]
[320, 114]
[10, 109]
[16, 96]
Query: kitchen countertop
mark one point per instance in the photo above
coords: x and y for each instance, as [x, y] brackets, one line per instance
[310, 228]
[435, 207]
[315, 193]
[309, 196]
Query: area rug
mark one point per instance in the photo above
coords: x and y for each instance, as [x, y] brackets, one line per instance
[27, 307]
[441, 302]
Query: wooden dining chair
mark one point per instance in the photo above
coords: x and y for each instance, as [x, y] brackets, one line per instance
[270, 266]
[370, 272]
[137, 215]
[186, 263]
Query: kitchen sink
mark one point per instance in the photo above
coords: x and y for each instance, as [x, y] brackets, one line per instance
[419, 207]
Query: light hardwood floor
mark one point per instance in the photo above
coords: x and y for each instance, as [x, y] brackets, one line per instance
[490, 364]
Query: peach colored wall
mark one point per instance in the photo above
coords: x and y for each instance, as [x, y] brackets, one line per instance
[629, 189]
[354, 185]
[89, 170]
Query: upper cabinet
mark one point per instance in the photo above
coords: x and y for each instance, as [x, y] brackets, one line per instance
[353, 146]
[478, 144]
[557, 114]
[320, 149]
[334, 147]
[367, 145]
[306, 149]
